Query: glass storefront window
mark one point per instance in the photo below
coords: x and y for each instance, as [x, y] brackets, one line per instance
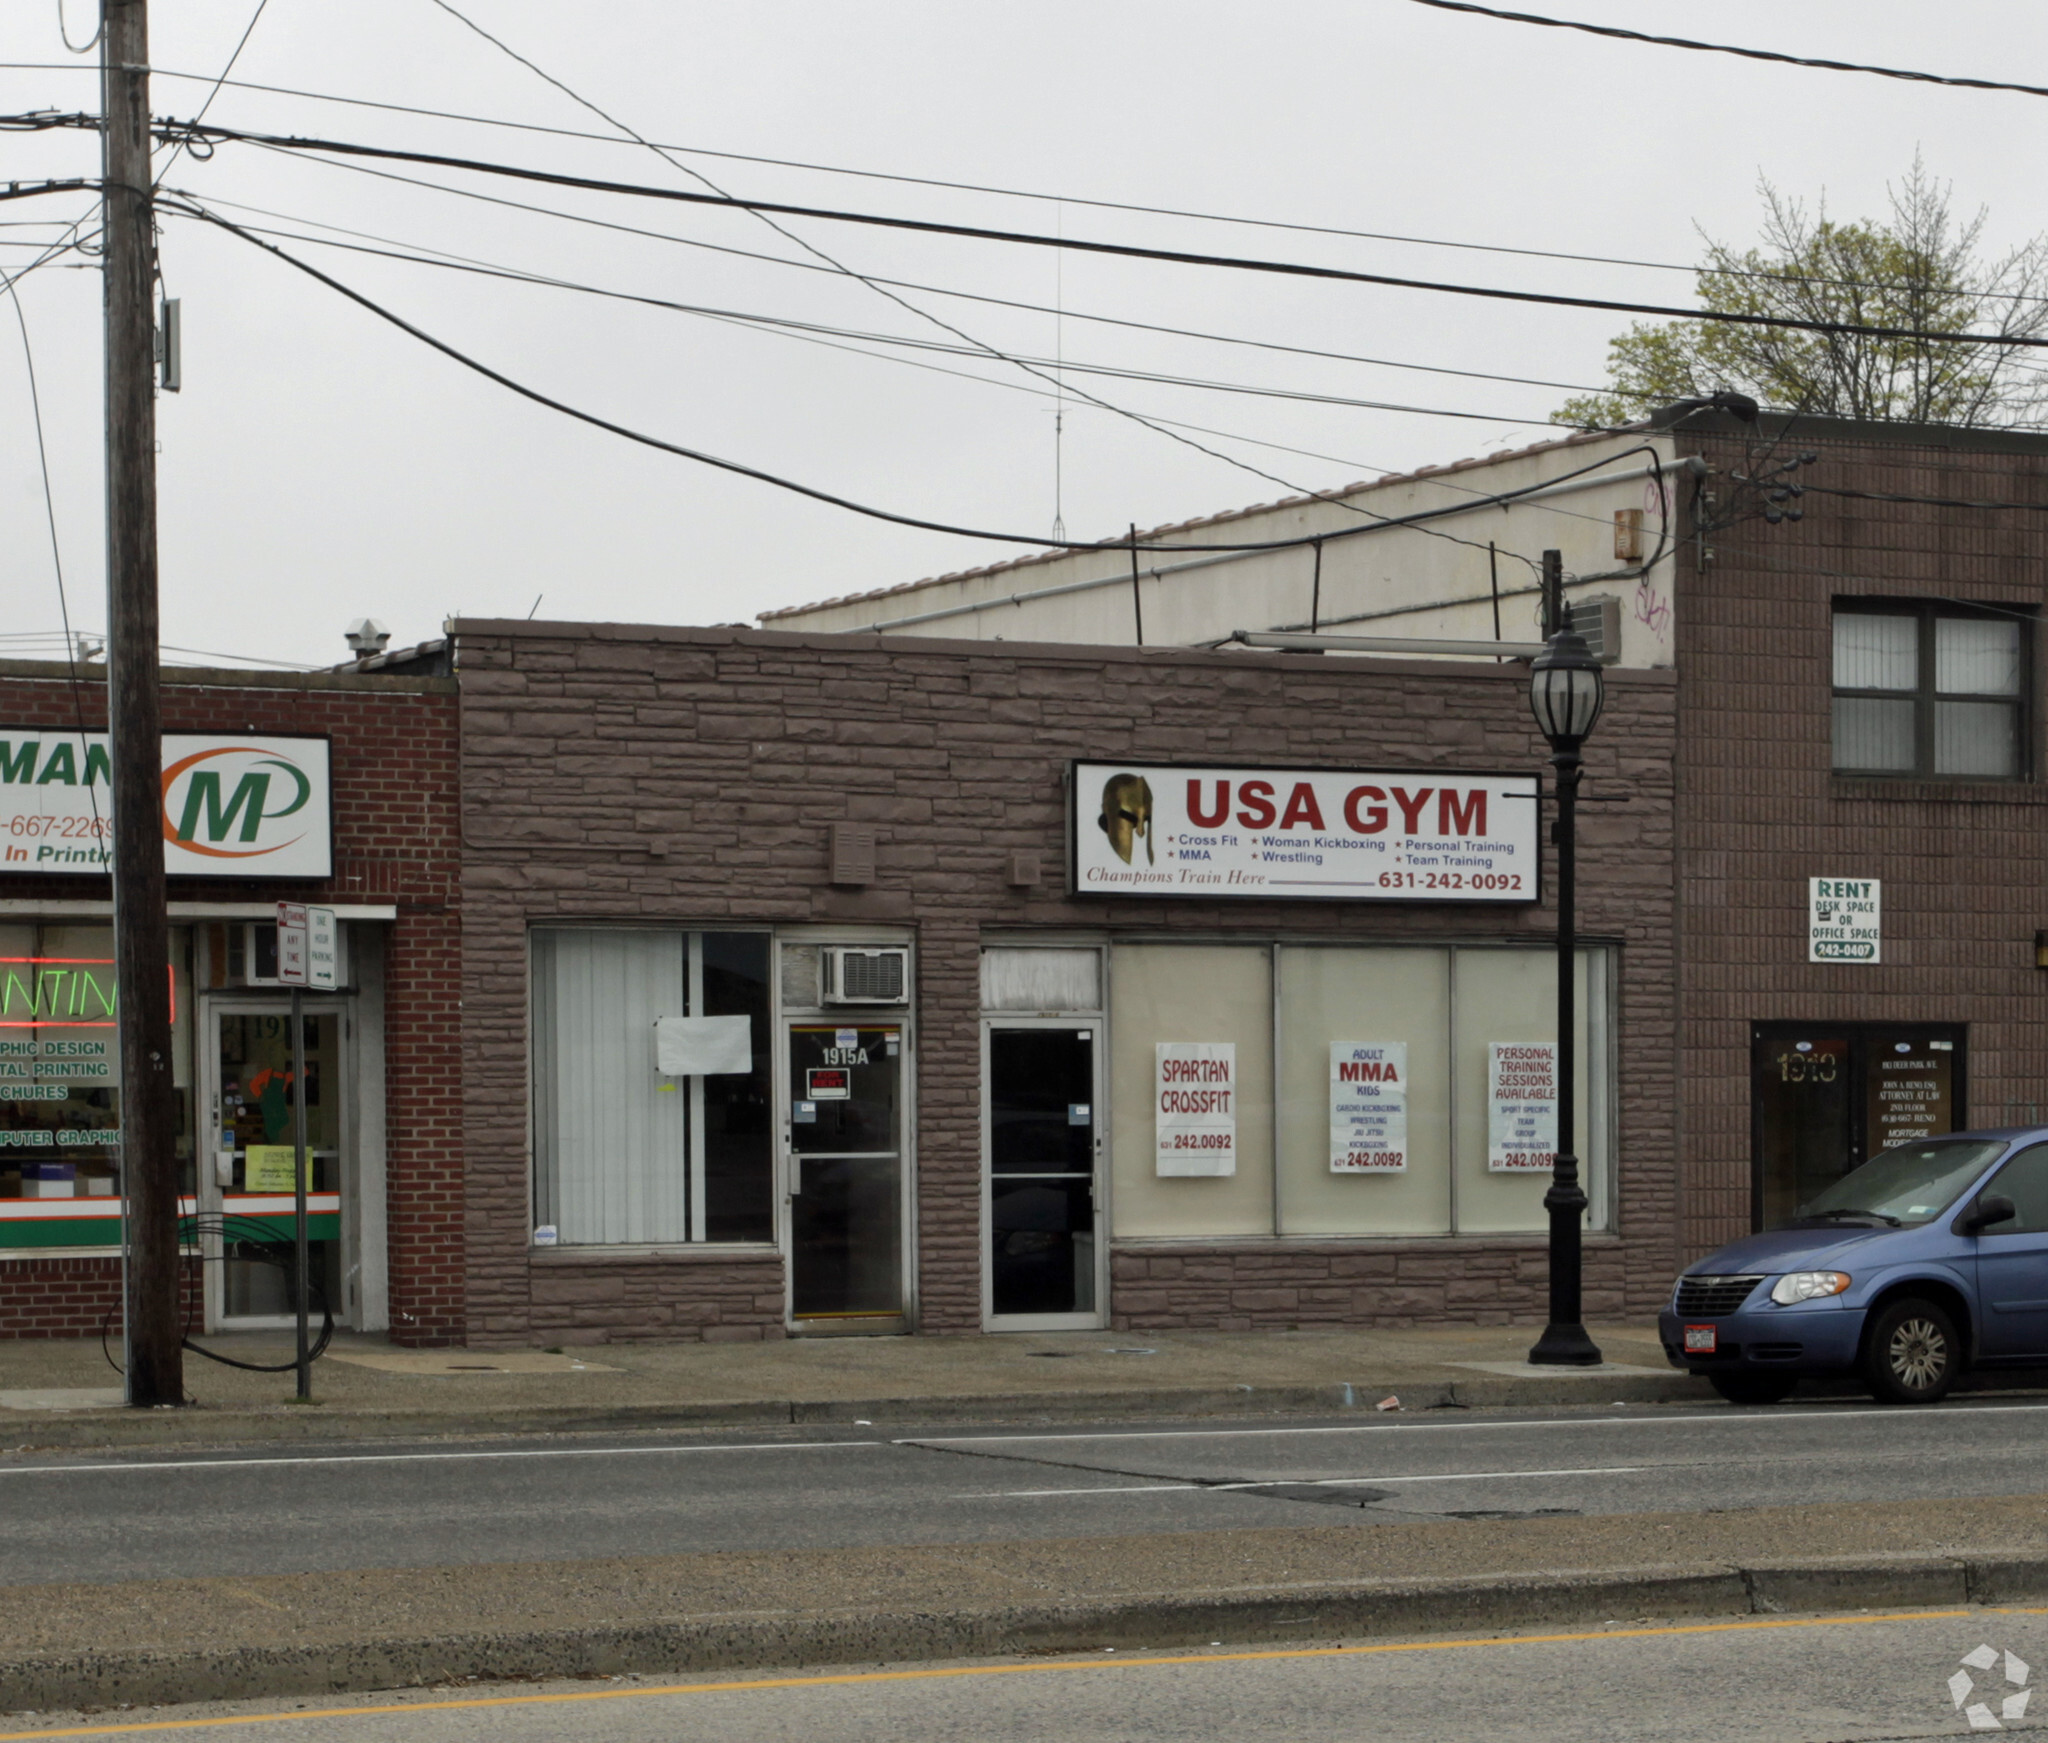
[1407, 1149]
[60, 1083]
[624, 1155]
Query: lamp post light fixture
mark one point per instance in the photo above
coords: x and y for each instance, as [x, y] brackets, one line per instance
[1565, 696]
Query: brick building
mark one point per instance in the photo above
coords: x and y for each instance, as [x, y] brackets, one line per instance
[1859, 699]
[700, 1105]
[376, 754]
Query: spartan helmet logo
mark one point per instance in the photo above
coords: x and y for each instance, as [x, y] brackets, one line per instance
[1127, 814]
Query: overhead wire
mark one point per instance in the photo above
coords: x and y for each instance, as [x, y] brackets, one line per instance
[941, 183]
[769, 326]
[250, 30]
[534, 394]
[1754, 54]
[1121, 250]
[876, 278]
[35, 401]
[457, 263]
[1056, 381]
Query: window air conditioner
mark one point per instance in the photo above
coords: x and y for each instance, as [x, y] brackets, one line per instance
[852, 976]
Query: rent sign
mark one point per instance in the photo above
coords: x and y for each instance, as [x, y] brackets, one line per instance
[241, 807]
[1150, 829]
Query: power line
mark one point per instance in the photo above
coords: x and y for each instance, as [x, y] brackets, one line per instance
[1924, 501]
[776, 329]
[943, 183]
[1753, 54]
[35, 401]
[171, 161]
[1123, 250]
[817, 495]
[876, 278]
[458, 263]
[1356, 466]
[1056, 381]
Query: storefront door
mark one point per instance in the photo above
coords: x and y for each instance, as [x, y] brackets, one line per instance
[845, 1179]
[246, 1199]
[1826, 1097]
[1043, 1147]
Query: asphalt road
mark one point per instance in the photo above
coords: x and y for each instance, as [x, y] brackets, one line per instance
[1775, 1680]
[568, 1498]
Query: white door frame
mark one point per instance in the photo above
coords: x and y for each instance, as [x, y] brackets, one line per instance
[211, 1196]
[1098, 1187]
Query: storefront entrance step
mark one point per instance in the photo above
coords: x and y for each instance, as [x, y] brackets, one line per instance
[63, 1398]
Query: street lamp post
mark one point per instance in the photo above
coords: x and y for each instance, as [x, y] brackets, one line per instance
[1565, 696]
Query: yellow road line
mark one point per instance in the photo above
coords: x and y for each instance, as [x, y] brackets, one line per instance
[1036, 1669]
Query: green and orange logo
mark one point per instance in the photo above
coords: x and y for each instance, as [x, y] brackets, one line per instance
[207, 814]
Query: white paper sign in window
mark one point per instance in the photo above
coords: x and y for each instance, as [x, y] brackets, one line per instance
[1195, 1107]
[1521, 1106]
[1368, 1107]
[703, 1046]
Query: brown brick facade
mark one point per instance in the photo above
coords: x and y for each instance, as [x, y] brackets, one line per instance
[393, 758]
[1759, 810]
[691, 776]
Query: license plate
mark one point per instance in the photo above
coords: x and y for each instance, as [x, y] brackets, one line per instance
[1700, 1340]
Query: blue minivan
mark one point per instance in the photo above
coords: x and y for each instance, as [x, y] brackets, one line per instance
[1928, 1260]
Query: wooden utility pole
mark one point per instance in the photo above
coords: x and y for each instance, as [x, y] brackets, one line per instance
[142, 955]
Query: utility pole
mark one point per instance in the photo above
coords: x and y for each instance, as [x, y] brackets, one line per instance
[142, 955]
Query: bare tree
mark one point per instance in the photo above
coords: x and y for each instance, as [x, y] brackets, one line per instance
[1921, 270]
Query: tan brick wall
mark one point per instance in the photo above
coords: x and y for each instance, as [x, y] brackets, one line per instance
[692, 776]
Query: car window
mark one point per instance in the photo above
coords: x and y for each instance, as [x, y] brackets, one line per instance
[2024, 1180]
[1911, 1183]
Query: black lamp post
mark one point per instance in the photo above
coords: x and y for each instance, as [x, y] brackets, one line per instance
[1564, 695]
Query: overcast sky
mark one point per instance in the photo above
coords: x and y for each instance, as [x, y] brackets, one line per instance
[320, 465]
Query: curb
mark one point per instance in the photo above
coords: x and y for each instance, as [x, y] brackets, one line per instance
[1250, 1617]
[210, 1427]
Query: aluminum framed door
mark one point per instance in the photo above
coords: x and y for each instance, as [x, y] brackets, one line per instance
[845, 1173]
[245, 1167]
[1044, 1258]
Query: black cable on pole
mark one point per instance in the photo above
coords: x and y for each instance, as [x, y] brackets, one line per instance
[1315, 597]
[1753, 54]
[189, 209]
[1121, 250]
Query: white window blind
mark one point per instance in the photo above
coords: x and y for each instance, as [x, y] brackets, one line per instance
[611, 1141]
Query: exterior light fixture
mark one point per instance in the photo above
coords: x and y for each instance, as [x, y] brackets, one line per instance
[1565, 692]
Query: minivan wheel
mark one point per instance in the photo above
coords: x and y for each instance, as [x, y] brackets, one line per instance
[1912, 1354]
[1753, 1388]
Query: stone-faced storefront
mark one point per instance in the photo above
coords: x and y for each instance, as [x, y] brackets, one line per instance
[334, 788]
[822, 984]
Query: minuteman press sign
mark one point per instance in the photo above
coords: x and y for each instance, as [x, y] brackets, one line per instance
[241, 806]
[1149, 829]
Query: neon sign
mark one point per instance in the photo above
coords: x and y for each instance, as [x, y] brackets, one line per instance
[62, 992]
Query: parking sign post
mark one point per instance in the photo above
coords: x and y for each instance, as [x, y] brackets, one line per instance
[306, 957]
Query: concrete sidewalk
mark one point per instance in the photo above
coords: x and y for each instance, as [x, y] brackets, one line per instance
[64, 1393]
[323, 1633]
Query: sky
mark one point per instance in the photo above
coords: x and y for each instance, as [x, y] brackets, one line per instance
[320, 465]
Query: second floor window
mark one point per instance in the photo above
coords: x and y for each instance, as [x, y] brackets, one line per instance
[1930, 690]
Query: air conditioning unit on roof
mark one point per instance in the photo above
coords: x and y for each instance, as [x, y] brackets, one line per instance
[850, 975]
